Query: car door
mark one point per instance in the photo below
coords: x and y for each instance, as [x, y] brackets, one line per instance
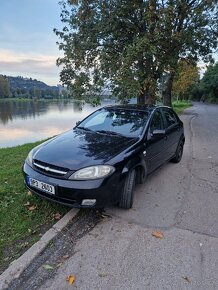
[156, 144]
[173, 130]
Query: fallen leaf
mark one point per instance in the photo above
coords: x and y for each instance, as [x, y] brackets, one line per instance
[32, 207]
[29, 193]
[27, 203]
[62, 259]
[102, 214]
[70, 279]
[102, 274]
[47, 267]
[187, 279]
[65, 257]
[158, 235]
[59, 265]
[24, 245]
[57, 216]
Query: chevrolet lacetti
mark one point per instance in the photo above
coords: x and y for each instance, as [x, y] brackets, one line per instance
[100, 161]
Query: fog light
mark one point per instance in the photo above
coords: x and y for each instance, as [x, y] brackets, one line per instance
[88, 202]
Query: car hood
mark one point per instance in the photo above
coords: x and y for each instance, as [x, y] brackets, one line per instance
[77, 148]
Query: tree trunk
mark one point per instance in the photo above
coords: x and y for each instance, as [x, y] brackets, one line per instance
[141, 98]
[147, 95]
[167, 91]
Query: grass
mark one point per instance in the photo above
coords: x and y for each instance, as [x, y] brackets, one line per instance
[180, 106]
[20, 226]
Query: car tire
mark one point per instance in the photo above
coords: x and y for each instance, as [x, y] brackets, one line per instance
[126, 200]
[179, 152]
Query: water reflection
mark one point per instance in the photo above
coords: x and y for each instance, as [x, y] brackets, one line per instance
[28, 121]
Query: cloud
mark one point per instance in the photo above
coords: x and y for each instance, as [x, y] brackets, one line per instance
[31, 65]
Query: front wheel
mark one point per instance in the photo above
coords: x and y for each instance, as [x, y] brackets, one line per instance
[126, 200]
[179, 153]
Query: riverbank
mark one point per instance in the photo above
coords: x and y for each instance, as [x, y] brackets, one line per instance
[24, 218]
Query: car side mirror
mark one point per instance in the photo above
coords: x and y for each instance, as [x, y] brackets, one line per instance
[158, 132]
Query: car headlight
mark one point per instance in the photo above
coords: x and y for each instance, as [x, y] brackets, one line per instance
[92, 172]
[29, 158]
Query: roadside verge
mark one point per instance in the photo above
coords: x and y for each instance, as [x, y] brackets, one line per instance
[19, 265]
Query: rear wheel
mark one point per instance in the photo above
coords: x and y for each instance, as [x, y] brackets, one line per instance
[126, 200]
[179, 153]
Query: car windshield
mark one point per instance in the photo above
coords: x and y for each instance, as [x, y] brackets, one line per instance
[128, 123]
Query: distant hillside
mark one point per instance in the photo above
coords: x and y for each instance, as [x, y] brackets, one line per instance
[27, 83]
[20, 87]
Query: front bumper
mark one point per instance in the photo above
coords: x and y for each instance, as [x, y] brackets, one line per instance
[71, 193]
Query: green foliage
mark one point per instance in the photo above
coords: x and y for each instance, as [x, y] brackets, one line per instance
[209, 83]
[180, 106]
[127, 46]
[20, 87]
[207, 88]
[4, 87]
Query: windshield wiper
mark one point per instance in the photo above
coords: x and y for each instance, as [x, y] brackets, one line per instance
[110, 132]
[84, 128]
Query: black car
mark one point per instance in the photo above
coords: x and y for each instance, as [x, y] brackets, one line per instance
[100, 161]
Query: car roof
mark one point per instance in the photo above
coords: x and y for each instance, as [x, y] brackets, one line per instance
[136, 107]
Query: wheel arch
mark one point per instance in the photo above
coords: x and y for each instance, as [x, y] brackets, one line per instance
[139, 165]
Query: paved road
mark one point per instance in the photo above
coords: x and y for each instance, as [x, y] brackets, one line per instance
[180, 200]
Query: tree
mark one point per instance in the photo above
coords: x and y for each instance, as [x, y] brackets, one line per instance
[186, 76]
[4, 87]
[128, 45]
[209, 83]
[191, 32]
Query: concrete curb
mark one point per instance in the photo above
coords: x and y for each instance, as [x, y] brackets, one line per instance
[18, 266]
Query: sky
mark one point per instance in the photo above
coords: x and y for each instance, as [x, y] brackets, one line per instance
[27, 42]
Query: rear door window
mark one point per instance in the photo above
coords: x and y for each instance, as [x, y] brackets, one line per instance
[156, 122]
[170, 118]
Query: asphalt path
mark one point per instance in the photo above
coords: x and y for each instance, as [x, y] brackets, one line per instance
[118, 251]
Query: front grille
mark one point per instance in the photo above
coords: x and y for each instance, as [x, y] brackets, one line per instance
[50, 169]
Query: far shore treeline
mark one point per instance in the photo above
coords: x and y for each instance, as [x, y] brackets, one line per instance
[26, 88]
[187, 85]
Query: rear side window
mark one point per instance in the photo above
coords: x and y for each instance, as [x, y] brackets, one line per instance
[156, 122]
[170, 118]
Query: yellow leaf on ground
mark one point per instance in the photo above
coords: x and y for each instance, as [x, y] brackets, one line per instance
[29, 193]
[158, 235]
[70, 279]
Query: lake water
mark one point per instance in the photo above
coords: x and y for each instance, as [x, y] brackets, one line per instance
[28, 121]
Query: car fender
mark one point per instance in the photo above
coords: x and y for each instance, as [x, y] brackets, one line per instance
[133, 163]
